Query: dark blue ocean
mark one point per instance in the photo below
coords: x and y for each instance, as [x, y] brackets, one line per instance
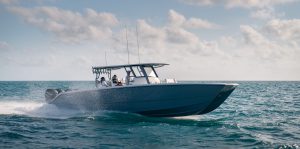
[256, 115]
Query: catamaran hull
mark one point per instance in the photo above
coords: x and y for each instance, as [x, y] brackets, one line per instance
[167, 100]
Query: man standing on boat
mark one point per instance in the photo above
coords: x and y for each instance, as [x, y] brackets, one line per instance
[114, 79]
[103, 82]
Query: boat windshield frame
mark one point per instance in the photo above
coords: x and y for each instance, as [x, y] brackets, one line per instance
[129, 69]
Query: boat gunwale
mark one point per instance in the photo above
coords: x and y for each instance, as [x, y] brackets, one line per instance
[144, 85]
[150, 85]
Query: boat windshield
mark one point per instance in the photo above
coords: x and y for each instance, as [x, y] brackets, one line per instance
[150, 71]
[137, 71]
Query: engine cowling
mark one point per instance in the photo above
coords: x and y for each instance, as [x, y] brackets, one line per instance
[50, 94]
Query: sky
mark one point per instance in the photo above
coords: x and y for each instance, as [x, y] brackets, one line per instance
[200, 39]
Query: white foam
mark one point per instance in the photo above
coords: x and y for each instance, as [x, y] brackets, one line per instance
[18, 107]
[36, 109]
[192, 117]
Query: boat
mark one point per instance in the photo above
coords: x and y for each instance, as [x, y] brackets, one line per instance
[143, 92]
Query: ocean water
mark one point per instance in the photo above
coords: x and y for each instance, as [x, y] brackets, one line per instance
[256, 115]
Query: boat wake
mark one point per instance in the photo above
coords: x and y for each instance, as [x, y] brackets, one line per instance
[37, 109]
[191, 117]
[44, 110]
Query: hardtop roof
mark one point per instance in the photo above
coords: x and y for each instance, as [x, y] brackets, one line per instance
[114, 67]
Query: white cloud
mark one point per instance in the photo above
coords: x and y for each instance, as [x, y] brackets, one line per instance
[277, 40]
[259, 44]
[286, 30]
[267, 13]
[260, 9]
[22, 2]
[178, 20]
[256, 3]
[199, 23]
[174, 42]
[152, 36]
[228, 41]
[67, 25]
[257, 52]
[8, 2]
[180, 36]
[3, 45]
[251, 36]
[239, 3]
[200, 2]
[170, 39]
[263, 9]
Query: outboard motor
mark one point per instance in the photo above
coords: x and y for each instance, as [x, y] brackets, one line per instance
[50, 94]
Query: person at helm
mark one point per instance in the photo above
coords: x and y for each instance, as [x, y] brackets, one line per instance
[103, 82]
[114, 79]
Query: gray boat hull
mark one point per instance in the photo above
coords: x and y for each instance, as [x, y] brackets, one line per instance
[159, 100]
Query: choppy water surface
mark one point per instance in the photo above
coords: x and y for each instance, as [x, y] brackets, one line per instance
[256, 115]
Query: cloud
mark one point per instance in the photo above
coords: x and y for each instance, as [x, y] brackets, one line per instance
[200, 2]
[8, 2]
[255, 3]
[3, 45]
[268, 48]
[151, 37]
[67, 25]
[253, 43]
[259, 44]
[239, 3]
[260, 9]
[177, 19]
[277, 40]
[252, 36]
[287, 31]
[24, 2]
[180, 36]
[267, 13]
[172, 38]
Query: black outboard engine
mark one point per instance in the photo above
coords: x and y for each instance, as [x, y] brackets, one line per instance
[50, 94]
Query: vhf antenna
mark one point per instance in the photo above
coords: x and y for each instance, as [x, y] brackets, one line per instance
[127, 45]
[105, 59]
[137, 42]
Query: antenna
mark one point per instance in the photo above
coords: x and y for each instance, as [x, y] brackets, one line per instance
[137, 41]
[105, 59]
[127, 45]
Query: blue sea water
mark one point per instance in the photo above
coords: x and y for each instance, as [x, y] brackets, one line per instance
[256, 115]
